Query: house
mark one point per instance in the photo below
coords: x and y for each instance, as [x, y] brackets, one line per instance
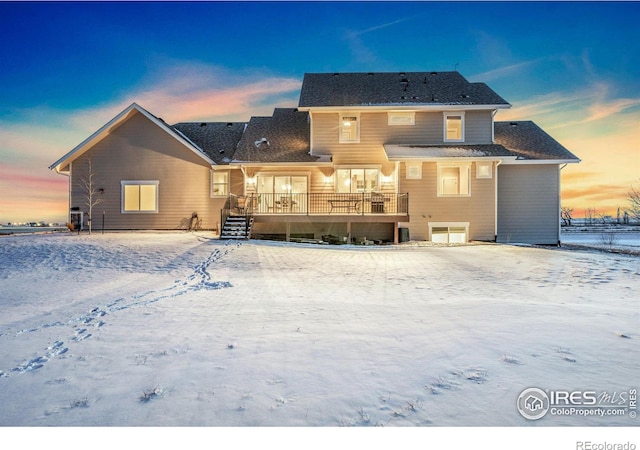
[364, 157]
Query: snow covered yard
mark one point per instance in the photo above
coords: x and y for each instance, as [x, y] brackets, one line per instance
[179, 329]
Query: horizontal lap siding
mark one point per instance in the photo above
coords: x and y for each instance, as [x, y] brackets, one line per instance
[375, 132]
[425, 206]
[528, 204]
[139, 150]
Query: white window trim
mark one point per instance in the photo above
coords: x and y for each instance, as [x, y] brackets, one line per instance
[446, 115]
[340, 125]
[449, 225]
[418, 165]
[399, 118]
[124, 183]
[487, 164]
[441, 166]
[228, 172]
[364, 167]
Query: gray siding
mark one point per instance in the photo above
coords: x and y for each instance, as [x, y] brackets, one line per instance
[528, 204]
[425, 206]
[139, 150]
[375, 132]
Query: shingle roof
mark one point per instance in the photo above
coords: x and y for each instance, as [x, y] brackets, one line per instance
[445, 151]
[523, 140]
[394, 88]
[527, 140]
[283, 137]
[217, 139]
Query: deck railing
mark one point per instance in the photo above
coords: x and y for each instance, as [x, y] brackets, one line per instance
[365, 203]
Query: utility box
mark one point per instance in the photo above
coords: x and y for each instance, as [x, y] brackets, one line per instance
[403, 234]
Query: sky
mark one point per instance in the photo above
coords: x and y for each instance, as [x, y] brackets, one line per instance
[70, 67]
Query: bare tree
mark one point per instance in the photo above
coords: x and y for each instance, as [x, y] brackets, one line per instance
[589, 215]
[634, 200]
[566, 214]
[90, 192]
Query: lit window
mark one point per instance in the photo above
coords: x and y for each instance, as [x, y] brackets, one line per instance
[139, 196]
[401, 118]
[357, 180]
[453, 180]
[454, 127]
[484, 170]
[220, 183]
[414, 170]
[349, 128]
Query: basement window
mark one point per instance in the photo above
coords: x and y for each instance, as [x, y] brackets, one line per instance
[139, 196]
[449, 233]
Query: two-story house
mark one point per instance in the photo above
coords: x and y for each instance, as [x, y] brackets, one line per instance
[378, 155]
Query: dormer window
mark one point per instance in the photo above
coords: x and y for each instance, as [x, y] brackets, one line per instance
[453, 127]
[349, 128]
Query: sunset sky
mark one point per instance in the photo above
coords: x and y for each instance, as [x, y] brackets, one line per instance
[68, 68]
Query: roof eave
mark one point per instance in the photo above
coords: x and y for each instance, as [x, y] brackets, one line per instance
[104, 130]
[522, 161]
[404, 107]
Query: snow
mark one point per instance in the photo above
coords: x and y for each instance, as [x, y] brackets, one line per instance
[183, 329]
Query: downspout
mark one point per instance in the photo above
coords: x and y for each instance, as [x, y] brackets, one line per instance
[493, 127]
[495, 213]
[560, 202]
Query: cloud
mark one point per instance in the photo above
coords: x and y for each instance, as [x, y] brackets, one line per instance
[183, 91]
[187, 92]
[360, 53]
[505, 71]
[378, 27]
[589, 104]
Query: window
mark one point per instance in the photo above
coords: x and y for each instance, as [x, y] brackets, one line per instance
[449, 232]
[349, 128]
[453, 127]
[453, 180]
[220, 183]
[484, 170]
[139, 196]
[414, 170]
[357, 180]
[282, 193]
[402, 118]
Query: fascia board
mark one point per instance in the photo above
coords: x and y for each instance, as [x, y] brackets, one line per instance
[80, 148]
[540, 161]
[402, 107]
[104, 130]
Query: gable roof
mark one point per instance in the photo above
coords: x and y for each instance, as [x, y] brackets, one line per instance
[394, 88]
[283, 137]
[218, 140]
[126, 114]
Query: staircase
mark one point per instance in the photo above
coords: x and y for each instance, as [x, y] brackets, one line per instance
[237, 227]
